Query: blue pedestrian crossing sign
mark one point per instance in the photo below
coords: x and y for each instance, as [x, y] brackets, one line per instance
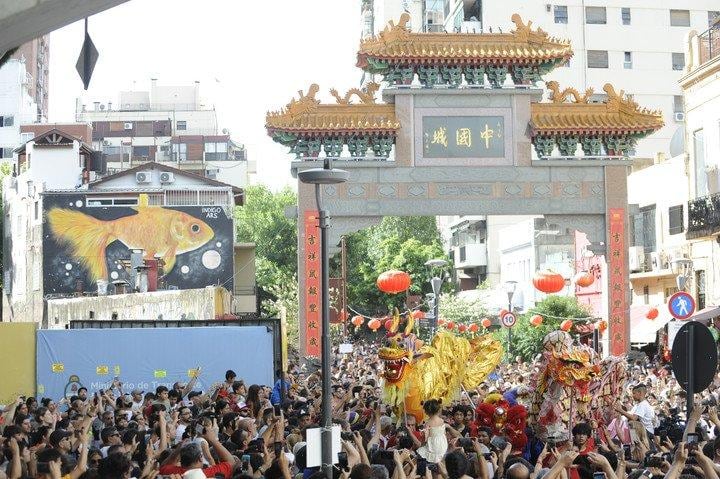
[681, 305]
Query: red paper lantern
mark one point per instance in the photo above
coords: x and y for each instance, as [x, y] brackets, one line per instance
[652, 313]
[393, 282]
[536, 320]
[357, 320]
[601, 326]
[418, 314]
[388, 324]
[462, 328]
[441, 322]
[343, 315]
[374, 324]
[486, 323]
[566, 325]
[450, 325]
[548, 281]
[584, 279]
[503, 312]
[473, 328]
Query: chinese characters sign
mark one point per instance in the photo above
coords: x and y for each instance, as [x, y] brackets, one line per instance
[312, 284]
[463, 136]
[617, 283]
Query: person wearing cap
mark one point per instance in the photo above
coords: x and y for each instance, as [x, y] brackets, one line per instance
[195, 398]
[60, 440]
[137, 400]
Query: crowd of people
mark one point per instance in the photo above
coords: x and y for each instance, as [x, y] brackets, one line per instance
[235, 430]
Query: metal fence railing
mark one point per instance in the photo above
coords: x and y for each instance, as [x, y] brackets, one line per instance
[709, 43]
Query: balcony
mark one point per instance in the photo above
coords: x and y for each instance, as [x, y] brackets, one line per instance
[709, 43]
[703, 216]
[470, 255]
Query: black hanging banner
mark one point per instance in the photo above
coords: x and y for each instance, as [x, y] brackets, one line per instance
[87, 59]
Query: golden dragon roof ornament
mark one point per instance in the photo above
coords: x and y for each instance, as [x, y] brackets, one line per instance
[447, 58]
[570, 118]
[306, 124]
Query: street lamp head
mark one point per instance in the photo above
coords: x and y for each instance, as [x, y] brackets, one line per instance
[321, 176]
[510, 287]
[436, 263]
[436, 284]
[681, 266]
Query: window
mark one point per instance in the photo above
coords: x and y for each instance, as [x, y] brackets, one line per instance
[37, 210]
[25, 137]
[6, 152]
[99, 202]
[646, 294]
[561, 15]
[181, 125]
[597, 58]
[713, 16]
[8, 120]
[675, 220]
[216, 151]
[678, 104]
[700, 286]
[701, 188]
[625, 15]
[627, 63]
[595, 15]
[679, 18]
[141, 151]
[644, 228]
[179, 151]
[678, 61]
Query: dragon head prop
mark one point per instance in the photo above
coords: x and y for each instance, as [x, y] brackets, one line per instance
[399, 352]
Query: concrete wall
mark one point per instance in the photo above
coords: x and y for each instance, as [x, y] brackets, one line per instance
[55, 167]
[206, 303]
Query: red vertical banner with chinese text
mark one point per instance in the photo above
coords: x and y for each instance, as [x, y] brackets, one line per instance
[617, 284]
[313, 269]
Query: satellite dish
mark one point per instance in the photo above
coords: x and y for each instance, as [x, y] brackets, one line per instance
[225, 131]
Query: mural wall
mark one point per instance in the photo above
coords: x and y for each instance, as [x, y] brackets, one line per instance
[82, 244]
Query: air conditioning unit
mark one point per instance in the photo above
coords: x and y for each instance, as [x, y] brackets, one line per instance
[656, 261]
[627, 65]
[548, 7]
[637, 258]
[167, 177]
[679, 116]
[106, 143]
[128, 125]
[143, 177]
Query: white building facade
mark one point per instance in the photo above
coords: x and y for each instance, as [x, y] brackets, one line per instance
[17, 106]
[168, 124]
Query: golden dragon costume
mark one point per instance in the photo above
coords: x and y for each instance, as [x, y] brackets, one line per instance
[415, 372]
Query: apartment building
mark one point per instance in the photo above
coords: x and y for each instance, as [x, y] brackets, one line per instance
[170, 125]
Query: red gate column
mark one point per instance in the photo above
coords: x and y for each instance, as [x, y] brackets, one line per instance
[617, 258]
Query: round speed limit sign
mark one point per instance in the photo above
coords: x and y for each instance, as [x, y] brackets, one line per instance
[508, 320]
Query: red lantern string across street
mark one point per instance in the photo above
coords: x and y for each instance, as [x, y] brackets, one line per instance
[486, 323]
[473, 328]
[462, 328]
[393, 282]
[441, 322]
[548, 281]
[566, 325]
[503, 312]
[374, 324]
[601, 326]
[652, 313]
[450, 325]
[357, 320]
[388, 324]
[418, 314]
[536, 320]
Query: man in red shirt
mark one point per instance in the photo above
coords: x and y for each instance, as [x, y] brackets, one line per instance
[191, 458]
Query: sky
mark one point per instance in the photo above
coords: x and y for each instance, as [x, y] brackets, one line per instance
[249, 56]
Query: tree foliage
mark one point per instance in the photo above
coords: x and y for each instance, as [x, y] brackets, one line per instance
[402, 243]
[262, 221]
[462, 310]
[527, 339]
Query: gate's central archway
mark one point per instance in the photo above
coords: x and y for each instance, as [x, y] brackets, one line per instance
[467, 151]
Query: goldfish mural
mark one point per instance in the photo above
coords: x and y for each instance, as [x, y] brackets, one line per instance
[85, 244]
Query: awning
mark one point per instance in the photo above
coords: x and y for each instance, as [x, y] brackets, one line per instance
[706, 313]
[643, 330]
